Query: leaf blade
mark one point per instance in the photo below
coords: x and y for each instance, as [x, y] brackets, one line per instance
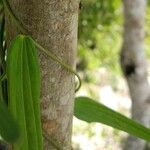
[35, 79]
[9, 128]
[24, 92]
[15, 88]
[28, 102]
[91, 111]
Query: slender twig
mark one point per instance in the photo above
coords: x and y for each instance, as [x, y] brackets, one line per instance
[55, 58]
[13, 16]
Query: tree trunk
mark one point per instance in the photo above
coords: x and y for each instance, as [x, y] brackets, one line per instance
[134, 66]
[53, 23]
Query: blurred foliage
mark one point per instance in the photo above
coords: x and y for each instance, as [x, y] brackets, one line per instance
[99, 35]
[95, 13]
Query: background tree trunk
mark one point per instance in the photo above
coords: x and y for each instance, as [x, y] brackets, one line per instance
[53, 23]
[133, 63]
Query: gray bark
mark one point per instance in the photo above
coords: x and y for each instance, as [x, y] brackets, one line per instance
[134, 66]
[53, 23]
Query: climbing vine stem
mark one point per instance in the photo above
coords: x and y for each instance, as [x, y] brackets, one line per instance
[55, 58]
[13, 16]
[48, 53]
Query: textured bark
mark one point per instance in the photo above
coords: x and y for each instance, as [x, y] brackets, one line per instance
[134, 66]
[53, 23]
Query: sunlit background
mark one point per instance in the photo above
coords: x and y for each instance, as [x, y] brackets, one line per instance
[100, 39]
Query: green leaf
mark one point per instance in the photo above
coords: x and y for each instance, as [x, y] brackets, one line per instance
[91, 111]
[15, 89]
[35, 83]
[24, 91]
[9, 129]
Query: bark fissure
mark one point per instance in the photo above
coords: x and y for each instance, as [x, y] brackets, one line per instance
[129, 69]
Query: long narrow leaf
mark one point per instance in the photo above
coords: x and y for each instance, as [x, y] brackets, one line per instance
[24, 92]
[91, 111]
[15, 90]
[35, 79]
